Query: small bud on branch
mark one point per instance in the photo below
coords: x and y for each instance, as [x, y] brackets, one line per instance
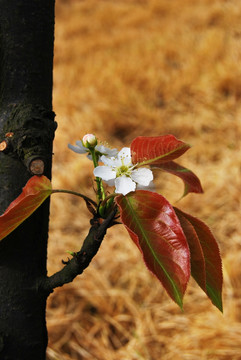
[89, 141]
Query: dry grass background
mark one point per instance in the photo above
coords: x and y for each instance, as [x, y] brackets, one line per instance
[125, 68]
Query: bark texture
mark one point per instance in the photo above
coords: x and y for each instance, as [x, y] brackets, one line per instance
[27, 125]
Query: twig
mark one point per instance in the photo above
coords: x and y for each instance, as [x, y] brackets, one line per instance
[81, 259]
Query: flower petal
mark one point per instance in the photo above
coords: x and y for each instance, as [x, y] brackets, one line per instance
[105, 172]
[125, 155]
[106, 151]
[111, 161]
[80, 149]
[110, 182]
[150, 187]
[142, 176]
[79, 144]
[108, 161]
[124, 185]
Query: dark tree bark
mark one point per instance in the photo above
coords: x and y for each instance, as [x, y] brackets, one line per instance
[27, 128]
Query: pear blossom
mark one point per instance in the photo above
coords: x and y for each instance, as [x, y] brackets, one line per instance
[119, 171]
[89, 140]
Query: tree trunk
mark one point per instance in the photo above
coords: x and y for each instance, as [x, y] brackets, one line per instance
[27, 129]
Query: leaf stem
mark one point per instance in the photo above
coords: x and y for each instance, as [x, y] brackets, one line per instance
[86, 198]
[108, 198]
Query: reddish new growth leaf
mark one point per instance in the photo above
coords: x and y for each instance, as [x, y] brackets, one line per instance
[155, 229]
[196, 252]
[37, 189]
[191, 181]
[206, 263]
[156, 150]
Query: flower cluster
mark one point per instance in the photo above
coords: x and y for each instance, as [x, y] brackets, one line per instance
[118, 169]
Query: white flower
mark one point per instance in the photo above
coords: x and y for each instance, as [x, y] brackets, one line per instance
[80, 147]
[120, 172]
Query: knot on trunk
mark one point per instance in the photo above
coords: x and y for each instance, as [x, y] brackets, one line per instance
[28, 135]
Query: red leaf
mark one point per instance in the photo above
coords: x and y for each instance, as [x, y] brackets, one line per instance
[191, 181]
[155, 229]
[197, 257]
[37, 189]
[211, 281]
[157, 149]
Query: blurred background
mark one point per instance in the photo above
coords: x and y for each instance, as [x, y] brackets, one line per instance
[124, 68]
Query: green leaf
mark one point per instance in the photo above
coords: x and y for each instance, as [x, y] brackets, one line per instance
[208, 274]
[155, 229]
[37, 189]
[156, 150]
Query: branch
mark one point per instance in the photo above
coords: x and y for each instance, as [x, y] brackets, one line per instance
[81, 259]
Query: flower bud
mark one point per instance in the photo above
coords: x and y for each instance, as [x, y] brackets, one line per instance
[89, 141]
